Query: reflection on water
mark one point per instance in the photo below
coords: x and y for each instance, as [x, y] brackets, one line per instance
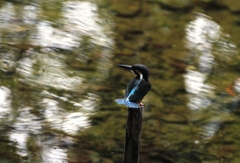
[62, 120]
[79, 19]
[48, 71]
[52, 37]
[5, 102]
[7, 14]
[195, 82]
[236, 85]
[54, 154]
[45, 59]
[209, 49]
[26, 124]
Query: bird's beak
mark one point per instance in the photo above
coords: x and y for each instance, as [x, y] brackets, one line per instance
[125, 66]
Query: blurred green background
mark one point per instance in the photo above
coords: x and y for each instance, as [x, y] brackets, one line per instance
[59, 79]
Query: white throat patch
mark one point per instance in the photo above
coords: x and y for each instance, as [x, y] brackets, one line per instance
[141, 76]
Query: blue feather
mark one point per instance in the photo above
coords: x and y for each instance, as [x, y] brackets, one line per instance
[129, 104]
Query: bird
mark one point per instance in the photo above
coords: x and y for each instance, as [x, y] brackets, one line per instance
[137, 88]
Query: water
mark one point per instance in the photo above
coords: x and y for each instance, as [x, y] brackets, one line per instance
[59, 79]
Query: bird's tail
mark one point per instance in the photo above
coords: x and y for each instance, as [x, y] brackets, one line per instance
[129, 104]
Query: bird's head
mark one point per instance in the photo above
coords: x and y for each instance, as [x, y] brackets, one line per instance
[138, 69]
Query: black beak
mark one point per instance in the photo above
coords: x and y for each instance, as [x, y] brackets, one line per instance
[129, 67]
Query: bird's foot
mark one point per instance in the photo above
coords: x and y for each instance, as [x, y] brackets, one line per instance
[141, 105]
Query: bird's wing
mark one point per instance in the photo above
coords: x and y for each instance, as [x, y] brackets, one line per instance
[141, 91]
[130, 86]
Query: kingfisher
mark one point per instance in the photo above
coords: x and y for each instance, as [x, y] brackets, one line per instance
[137, 88]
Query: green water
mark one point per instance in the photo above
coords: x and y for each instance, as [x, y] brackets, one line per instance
[59, 79]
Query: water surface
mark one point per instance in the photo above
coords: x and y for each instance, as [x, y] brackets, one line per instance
[59, 79]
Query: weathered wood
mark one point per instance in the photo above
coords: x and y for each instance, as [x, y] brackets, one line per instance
[133, 135]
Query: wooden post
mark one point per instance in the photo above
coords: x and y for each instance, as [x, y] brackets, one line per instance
[133, 135]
